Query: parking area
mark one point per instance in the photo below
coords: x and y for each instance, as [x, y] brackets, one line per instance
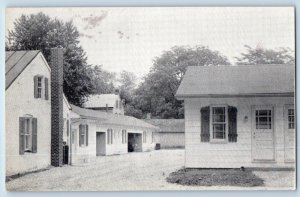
[140, 171]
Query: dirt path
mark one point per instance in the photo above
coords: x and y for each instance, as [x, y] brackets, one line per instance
[134, 171]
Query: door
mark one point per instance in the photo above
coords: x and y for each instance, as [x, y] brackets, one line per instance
[100, 144]
[289, 134]
[263, 133]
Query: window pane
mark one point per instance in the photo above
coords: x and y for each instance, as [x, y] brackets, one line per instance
[291, 111]
[263, 119]
[219, 131]
[218, 114]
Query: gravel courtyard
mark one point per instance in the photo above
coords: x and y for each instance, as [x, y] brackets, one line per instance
[134, 171]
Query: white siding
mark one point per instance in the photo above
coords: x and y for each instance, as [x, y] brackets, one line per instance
[19, 101]
[228, 155]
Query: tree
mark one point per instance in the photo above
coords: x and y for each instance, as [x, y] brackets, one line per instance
[40, 32]
[103, 81]
[260, 55]
[127, 86]
[156, 94]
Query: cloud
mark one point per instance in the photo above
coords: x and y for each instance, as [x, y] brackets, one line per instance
[86, 35]
[93, 21]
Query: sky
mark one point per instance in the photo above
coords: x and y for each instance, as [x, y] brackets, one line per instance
[129, 38]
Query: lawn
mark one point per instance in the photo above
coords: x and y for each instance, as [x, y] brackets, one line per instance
[215, 177]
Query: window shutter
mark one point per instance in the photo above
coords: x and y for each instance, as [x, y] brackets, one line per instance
[107, 136]
[112, 136]
[35, 86]
[232, 124]
[205, 135]
[87, 135]
[68, 127]
[80, 135]
[21, 135]
[46, 89]
[34, 135]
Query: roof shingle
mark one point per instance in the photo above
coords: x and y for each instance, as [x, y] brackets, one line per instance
[237, 80]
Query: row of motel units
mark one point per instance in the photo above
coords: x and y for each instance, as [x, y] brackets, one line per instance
[43, 129]
[239, 116]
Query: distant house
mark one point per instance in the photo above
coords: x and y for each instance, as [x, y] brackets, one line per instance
[105, 102]
[95, 133]
[239, 116]
[170, 133]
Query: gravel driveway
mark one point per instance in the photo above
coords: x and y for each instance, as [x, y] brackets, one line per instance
[133, 171]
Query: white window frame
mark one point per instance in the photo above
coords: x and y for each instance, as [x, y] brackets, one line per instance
[84, 134]
[41, 87]
[28, 134]
[213, 140]
[124, 136]
[110, 136]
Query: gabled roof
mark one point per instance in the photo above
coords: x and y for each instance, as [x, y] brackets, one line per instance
[110, 118]
[168, 125]
[15, 63]
[243, 80]
[100, 100]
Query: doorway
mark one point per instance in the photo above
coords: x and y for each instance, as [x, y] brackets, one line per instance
[263, 133]
[100, 144]
[134, 142]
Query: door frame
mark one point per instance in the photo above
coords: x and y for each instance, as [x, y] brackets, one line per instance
[253, 119]
[285, 127]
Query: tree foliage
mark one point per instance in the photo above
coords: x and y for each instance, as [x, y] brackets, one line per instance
[40, 32]
[156, 94]
[103, 81]
[266, 56]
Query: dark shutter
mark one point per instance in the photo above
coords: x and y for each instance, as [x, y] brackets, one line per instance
[36, 86]
[21, 135]
[80, 135]
[34, 135]
[87, 134]
[232, 124]
[205, 112]
[68, 128]
[112, 136]
[46, 89]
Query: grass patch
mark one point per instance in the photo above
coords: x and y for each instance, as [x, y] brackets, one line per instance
[215, 177]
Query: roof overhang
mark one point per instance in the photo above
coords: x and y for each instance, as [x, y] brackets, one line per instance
[285, 94]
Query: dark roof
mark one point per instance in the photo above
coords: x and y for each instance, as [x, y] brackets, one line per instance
[15, 63]
[168, 125]
[243, 80]
[110, 118]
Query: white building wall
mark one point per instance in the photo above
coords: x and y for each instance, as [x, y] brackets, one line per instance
[19, 101]
[88, 154]
[231, 155]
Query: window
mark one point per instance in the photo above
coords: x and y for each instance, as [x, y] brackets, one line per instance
[110, 136]
[218, 122]
[144, 137]
[263, 119]
[41, 87]
[124, 136]
[28, 134]
[83, 135]
[291, 119]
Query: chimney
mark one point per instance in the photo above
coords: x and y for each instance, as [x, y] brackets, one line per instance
[117, 92]
[106, 108]
[56, 63]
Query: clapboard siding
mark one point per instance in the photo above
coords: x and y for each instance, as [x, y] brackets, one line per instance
[236, 154]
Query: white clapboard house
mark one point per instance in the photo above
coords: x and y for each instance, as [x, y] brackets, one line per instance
[239, 116]
[96, 133]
